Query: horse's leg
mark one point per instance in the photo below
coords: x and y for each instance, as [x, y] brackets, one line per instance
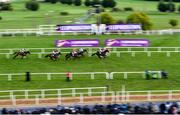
[93, 54]
[15, 56]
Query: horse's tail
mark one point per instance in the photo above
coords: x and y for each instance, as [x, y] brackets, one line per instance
[14, 53]
[94, 54]
[47, 55]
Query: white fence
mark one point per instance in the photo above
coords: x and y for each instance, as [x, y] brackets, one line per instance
[44, 93]
[90, 97]
[49, 75]
[51, 30]
[114, 50]
[92, 75]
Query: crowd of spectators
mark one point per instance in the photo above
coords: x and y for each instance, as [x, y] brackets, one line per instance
[133, 108]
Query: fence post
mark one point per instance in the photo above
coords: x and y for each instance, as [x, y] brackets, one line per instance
[107, 75]
[39, 55]
[118, 54]
[159, 49]
[149, 54]
[59, 99]
[42, 93]
[42, 50]
[48, 76]
[9, 77]
[170, 95]
[7, 56]
[111, 75]
[133, 54]
[149, 96]
[89, 92]
[125, 76]
[127, 96]
[168, 54]
[37, 99]
[26, 94]
[13, 99]
[103, 96]
[113, 99]
[92, 75]
[73, 92]
[81, 98]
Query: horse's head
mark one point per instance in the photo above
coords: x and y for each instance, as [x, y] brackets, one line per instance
[85, 50]
[27, 52]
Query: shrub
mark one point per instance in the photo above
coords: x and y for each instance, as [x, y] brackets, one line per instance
[162, 7]
[64, 13]
[77, 2]
[128, 9]
[95, 2]
[0, 18]
[107, 19]
[69, 2]
[178, 9]
[5, 6]
[115, 9]
[140, 18]
[108, 3]
[53, 1]
[173, 22]
[87, 3]
[170, 7]
[32, 5]
[120, 21]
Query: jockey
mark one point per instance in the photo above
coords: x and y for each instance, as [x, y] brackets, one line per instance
[74, 52]
[81, 50]
[55, 52]
[22, 50]
[101, 50]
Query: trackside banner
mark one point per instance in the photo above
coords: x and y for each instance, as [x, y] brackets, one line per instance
[127, 42]
[73, 27]
[123, 27]
[77, 43]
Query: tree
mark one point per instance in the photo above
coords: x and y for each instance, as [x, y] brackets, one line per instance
[140, 18]
[179, 9]
[53, 1]
[173, 22]
[63, 1]
[32, 5]
[162, 7]
[170, 6]
[107, 18]
[108, 3]
[77, 2]
[69, 2]
[96, 2]
[5, 6]
[87, 3]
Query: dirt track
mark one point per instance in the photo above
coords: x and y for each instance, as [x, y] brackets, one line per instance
[87, 100]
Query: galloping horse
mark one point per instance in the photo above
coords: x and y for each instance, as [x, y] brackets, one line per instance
[53, 57]
[103, 54]
[22, 54]
[79, 54]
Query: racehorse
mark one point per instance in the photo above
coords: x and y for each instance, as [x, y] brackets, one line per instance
[103, 54]
[53, 57]
[22, 54]
[79, 54]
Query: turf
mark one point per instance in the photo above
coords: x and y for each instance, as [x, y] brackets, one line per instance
[124, 63]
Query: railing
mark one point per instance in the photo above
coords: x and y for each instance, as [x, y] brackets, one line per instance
[49, 75]
[45, 93]
[92, 97]
[125, 74]
[51, 30]
[117, 50]
[107, 75]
